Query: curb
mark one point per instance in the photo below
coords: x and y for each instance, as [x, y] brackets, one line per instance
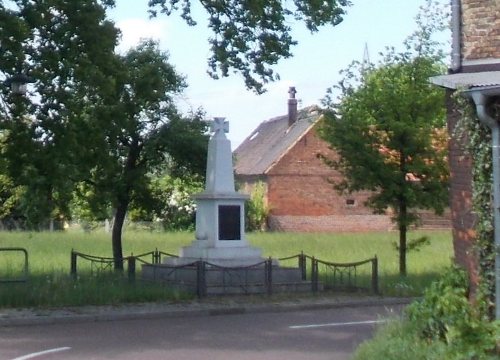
[25, 317]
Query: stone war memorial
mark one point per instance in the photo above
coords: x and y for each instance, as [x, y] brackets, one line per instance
[220, 215]
[220, 257]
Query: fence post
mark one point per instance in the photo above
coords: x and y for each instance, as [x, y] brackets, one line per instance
[375, 275]
[73, 264]
[201, 286]
[156, 257]
[269, 276]
[314, 274]
[303, 266]
[131, 268]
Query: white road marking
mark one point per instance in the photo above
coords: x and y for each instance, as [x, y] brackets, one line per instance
[40, 353]
[311, 326]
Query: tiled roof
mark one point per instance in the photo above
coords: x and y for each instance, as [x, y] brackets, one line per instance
[271, 140]
[467, 81]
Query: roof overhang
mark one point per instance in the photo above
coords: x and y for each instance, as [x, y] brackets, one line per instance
[487, 82]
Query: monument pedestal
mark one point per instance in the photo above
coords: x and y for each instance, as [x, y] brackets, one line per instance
[226, 256]
[220, 232]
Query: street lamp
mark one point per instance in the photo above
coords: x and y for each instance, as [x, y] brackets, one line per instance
[18, 83]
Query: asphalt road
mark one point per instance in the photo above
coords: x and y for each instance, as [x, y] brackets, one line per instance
[314, 334]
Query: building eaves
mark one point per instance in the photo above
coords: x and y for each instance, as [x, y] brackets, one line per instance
[466, 81]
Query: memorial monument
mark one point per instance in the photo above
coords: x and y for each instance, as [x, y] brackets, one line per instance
[220, 260]
[220, 216]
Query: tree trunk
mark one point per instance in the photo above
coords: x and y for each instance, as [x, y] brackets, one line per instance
[123, 202]
[116, 235]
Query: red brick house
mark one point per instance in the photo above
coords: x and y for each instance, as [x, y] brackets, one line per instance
[476, 71]
[282, 153]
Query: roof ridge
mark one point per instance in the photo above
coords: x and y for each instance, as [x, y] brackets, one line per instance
[307, 109]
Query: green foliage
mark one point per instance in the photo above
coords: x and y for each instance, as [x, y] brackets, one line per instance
[398, 340]
[442, 325]
[446, 314]
[10, 198]
[256, 209]
[388, 129]
[249, 37]
[65, 46]
[415, 244]
[138, 131]
[476, 141]
[176, 207]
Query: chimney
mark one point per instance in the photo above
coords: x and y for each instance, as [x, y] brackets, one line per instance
[292, 106]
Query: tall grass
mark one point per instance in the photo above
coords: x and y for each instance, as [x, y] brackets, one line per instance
[424, 265]
[50, 251]
[49, 261]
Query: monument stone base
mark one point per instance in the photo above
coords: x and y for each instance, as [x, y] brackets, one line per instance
[229, 256]
[228, 281]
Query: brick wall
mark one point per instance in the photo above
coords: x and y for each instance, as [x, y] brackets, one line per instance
[480, 29]
[301, 197]
[333, 223]
[481, 46]
[300, 183]
[462, 217]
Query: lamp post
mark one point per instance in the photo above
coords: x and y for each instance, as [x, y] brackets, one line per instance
[18, 83]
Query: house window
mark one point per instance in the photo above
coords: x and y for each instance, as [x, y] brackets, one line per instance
[350, 202]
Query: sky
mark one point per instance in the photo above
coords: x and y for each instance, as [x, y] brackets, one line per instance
[314, 68]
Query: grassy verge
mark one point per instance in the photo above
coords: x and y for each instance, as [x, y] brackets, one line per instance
[49, 261]
[424, 266]
[61, 290]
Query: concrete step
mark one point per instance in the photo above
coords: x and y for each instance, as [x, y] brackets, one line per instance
[229, 280]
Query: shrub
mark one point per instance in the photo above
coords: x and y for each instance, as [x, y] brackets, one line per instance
[256, 210]
[444, 324]
[445, 314]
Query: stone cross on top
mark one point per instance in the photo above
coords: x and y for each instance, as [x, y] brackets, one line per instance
[218, 126]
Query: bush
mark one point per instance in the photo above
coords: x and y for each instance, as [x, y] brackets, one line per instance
[256, 210]
[443, 325]
[445, 314]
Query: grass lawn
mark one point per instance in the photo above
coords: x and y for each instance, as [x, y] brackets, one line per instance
[49, 262]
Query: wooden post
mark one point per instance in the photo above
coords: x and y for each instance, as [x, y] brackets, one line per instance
[156, 257]
[269, 276]
[314, 275]
[131, 268]
[375, 275]
[201, 286]
[73, 264]
[303, 266]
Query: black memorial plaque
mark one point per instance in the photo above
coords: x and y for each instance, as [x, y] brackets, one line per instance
[229, 222]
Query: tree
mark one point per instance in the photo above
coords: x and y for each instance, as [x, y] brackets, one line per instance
[89, 120]
[174, 206]
[388, 130]
[250, 36]
[65, 46]
[137, 130]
